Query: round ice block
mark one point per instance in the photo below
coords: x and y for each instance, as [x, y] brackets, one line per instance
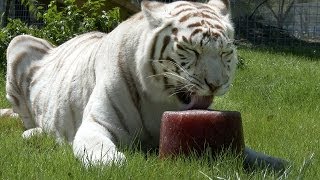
[196, 131]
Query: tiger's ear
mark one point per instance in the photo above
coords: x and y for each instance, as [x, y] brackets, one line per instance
[223, 5]
[154, 12]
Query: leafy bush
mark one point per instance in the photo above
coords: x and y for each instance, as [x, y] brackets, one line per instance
[62, 23]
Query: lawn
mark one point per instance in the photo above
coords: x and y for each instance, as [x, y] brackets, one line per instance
[278, 95]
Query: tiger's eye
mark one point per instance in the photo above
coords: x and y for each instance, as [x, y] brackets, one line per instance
[183, 64]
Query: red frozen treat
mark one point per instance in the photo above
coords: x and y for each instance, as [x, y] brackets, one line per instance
[193, 131]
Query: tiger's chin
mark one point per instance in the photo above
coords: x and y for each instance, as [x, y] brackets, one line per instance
[193, 101]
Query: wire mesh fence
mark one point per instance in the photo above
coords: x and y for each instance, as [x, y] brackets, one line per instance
[19, 11]
[296, 24]
[268, 22]
[260, 22]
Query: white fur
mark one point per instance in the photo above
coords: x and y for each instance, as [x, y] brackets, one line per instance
[79, 92]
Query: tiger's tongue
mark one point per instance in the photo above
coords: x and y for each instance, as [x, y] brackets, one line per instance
[199, 102]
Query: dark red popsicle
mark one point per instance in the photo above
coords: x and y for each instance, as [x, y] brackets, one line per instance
[193, 131]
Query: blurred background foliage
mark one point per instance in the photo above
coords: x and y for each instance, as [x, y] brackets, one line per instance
[60, 21]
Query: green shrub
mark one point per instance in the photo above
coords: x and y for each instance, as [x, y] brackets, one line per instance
[62, 23]
[65, 23]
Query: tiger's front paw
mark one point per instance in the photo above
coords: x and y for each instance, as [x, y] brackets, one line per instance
[110, 158]
[115, 158]
[93, 145]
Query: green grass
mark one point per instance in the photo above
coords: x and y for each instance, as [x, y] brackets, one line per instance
[277, 95]
[3, 101]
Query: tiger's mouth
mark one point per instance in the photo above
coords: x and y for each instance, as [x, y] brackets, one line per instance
[194, 101]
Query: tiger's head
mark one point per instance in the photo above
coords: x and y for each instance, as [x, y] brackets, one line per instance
[189, 53]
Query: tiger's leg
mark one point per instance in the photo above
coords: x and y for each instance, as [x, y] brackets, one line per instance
[93, 145]
[255, 160]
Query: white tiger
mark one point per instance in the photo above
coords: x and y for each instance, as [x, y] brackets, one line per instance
[99, 90]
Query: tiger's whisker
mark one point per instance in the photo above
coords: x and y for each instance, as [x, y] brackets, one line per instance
[179, 66]
[181, 90]
[170, 75]
[175, 64]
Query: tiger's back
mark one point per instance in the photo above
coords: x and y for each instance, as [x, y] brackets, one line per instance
[23, 51]
[39, 69]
